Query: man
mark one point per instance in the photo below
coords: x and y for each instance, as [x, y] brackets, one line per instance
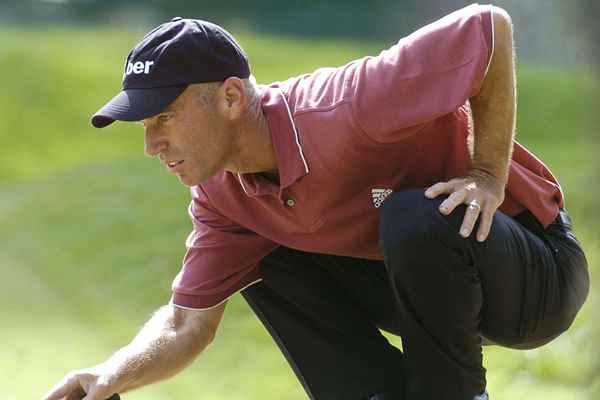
[386, 194]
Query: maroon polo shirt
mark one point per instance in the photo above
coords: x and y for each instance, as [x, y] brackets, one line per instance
[345, 138]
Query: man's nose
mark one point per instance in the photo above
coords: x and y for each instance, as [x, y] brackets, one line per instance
[154, 142]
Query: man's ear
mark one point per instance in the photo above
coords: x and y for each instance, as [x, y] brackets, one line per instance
[232, 98]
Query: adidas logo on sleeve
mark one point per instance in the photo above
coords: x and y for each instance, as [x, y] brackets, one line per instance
[379, 196]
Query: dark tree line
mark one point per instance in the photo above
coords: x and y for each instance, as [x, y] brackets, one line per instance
[547, 30]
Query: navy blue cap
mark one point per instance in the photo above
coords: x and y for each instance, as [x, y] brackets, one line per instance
[168, 59]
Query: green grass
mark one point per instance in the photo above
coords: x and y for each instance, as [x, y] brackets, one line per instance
[92, 232]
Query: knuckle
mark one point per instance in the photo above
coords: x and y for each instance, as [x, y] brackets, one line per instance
[458, 194]
[452, 185]
[71, 377]
[100, 391]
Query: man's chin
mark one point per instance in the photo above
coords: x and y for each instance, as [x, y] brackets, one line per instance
[190, 181]
[187, 180]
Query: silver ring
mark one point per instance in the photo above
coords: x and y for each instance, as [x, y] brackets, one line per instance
[474, 204]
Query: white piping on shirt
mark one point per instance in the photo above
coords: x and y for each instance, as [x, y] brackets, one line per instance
[296, 137]
[219, 303]
[295, 130]
[492, 52]
[242, 183]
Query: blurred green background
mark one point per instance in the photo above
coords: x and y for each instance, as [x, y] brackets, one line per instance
[92, 233]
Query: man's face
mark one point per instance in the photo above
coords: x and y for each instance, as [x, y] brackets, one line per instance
[190, 138]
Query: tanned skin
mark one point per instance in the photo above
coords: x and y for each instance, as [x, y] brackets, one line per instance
[494, 118]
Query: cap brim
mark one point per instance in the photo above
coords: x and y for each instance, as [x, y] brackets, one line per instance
[136, 104]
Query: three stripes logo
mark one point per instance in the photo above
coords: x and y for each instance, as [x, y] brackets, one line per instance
[379, 196]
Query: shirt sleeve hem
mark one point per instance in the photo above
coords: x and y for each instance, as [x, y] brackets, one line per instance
[492, 40]
[195, 302]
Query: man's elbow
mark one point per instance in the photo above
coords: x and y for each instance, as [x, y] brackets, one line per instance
[199, 325]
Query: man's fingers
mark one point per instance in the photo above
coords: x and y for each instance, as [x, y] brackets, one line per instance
[437, 189]
[76, 395]
[475, 209]
[481, 196]
[471, 215]
[98, 392]
[485, 224]
[69, 384]
[452, 202]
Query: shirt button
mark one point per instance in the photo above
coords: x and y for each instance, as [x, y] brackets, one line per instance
[290, 202]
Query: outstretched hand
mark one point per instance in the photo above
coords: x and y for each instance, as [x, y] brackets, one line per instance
[87, 384]
[482, 192]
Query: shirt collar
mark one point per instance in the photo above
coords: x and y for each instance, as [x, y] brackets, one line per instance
[291, 162]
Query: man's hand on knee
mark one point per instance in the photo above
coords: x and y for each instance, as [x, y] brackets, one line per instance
[481, 192]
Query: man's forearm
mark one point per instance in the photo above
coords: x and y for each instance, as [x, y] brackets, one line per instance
[166, 344]
[493, 111]
[159, 351]
[494, 107]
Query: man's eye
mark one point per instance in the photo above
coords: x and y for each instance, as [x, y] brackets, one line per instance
[164, 117]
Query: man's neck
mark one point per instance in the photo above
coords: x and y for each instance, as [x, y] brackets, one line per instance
[256, 152]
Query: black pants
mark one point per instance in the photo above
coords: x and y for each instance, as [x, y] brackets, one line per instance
[441, 293]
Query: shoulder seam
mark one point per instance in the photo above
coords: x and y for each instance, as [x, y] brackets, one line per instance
[493, 40]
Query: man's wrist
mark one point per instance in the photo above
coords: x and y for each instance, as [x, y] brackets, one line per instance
[115, 371]
[492, 172]
[489, 181]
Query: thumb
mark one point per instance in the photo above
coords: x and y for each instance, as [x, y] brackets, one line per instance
[93, 394]
[69, 385]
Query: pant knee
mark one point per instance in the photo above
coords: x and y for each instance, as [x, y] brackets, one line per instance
[409, 220]
[562, 320]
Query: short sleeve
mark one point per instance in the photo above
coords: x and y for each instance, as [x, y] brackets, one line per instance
[222, 258]
[426, 75]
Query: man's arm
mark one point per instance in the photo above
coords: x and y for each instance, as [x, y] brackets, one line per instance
[494, 107]
[494, 110]
[168, 342]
